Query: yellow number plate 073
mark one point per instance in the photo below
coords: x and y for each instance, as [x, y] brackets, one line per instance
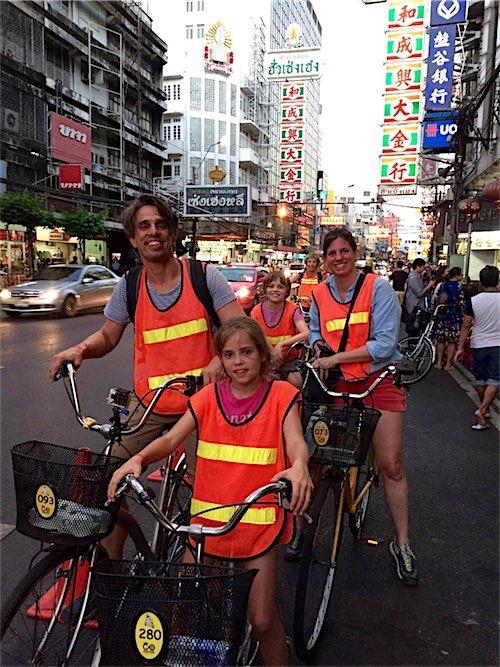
[321, 433]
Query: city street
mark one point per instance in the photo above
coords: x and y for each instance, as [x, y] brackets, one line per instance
[451, 619]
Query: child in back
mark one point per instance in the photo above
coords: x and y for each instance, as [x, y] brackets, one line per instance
[282, 323]
[249, 434]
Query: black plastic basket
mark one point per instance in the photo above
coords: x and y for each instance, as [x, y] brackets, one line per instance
[170, 614]
[61, 492]
[339, 434]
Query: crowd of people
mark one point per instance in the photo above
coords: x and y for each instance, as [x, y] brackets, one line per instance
[244, 425]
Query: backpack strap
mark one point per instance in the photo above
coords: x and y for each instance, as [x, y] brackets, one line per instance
[197, 273]
[132, 281]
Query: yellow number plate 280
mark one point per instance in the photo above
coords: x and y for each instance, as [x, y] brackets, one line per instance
[149, 635]
[45, 501]
[321, 433]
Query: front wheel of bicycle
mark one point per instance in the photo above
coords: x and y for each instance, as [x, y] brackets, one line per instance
[418, 355]
[318, 567]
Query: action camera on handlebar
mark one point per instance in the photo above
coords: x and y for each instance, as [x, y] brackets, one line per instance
[118, 397]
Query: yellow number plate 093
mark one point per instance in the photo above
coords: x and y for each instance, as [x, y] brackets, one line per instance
[321, 433]
[45, 501]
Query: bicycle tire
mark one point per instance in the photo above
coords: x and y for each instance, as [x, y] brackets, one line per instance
[421, 362]
[59, 574]
[357, 520]
[318, 568]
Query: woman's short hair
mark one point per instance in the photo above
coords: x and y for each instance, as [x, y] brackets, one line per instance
[277, 275]
[166, 213]
[454, 272]
[254, 332]
[315, 257]
[339, 233]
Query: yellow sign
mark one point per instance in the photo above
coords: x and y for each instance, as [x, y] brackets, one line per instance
[332, 220]
[321, 433]
[149, 635]
[45, 501]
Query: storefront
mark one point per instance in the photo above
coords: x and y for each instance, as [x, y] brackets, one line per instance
[13, 253]
[54, 246]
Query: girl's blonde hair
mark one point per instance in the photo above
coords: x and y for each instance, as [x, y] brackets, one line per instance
[254, 332]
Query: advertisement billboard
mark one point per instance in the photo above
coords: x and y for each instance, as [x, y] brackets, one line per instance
[70, 141]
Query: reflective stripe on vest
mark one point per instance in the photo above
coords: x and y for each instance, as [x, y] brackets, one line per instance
[309, 281]
[263, 516]
[274, 340]
[236, 454]
[177, 331]
[155, 382]
[339, 324]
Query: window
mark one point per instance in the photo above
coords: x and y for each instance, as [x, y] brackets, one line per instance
[189, 5]
[189, 32]
[222, 96]
[195, 93]
[209, 133]
[233, 100]
[195, 132]
[200, 31]
[201, 5]
[177, 169]
[209, 95]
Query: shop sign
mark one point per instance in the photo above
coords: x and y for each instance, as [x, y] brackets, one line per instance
[293, 64]
[438, 88]
[485, 240]
[403, 13]
[70, 141]
[290, 155]
[290, 194]
[400, 77]
[70, 176]
[445, 12]
[333, 221]
[405, 44]
[400, 138]
[293, 92]
[221, 200]
[57, 235]
[386, 190]
[291, 175]
[402, 108]
[292, 134]
[440, 133]
[291, 113]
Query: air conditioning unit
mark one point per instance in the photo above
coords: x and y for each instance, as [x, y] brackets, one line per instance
[10, 120]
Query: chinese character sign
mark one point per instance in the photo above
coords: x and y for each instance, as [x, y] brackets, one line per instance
[404, 13]
[438, 89]
[400, 77]
[402, 138]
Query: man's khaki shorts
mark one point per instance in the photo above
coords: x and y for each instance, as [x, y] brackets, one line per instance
[155, 426]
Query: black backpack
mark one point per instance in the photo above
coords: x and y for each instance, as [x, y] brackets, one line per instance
[198, 279]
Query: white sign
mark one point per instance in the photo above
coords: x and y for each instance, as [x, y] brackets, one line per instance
[293, 64]
[388, 190]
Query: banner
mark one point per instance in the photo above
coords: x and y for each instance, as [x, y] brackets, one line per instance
[70, 141]
[70, 176]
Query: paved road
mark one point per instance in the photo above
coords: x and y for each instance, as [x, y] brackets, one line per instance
[450, 619]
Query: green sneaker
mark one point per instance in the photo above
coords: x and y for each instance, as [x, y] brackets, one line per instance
[294, 549]
[406, 563]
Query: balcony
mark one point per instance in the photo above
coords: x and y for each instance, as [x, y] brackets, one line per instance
[175, 147]
[250, 159]
[249, 126]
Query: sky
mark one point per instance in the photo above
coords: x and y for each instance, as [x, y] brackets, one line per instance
[354, 47]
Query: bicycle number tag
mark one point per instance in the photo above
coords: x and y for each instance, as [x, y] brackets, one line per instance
[321, 433]
[149, 635]
[45, 501]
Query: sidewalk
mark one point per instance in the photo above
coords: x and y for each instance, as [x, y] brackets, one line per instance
[466, 381]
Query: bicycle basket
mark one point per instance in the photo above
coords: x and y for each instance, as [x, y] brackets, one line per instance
[61, 492]
[339, 434]
[170, 614]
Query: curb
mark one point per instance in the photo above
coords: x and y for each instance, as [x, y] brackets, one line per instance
[466, 381]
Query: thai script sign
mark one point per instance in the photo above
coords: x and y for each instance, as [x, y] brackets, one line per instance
[71, 141]
[390, 190]
[290, 64]
[222, 200]
[438, 89]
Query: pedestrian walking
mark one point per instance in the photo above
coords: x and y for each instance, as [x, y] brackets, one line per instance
[415, 294]
[447, 330]
[482, 314]
[398, 280]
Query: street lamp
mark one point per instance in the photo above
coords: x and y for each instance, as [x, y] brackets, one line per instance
[196, 171]
[470, 207]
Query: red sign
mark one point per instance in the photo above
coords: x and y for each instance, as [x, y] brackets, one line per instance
[71, 141]
[70, 176]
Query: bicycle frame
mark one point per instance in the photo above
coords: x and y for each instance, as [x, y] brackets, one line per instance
[427, 334]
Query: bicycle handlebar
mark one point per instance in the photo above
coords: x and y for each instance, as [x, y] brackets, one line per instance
[67, 370]
[282, 488]
[390, 370]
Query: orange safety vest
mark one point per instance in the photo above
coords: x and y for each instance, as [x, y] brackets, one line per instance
[332, 317]
[282, 331]
[232, 461]
[170, 343]
[307, 285]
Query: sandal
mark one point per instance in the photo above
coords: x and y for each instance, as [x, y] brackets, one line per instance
[479, 427]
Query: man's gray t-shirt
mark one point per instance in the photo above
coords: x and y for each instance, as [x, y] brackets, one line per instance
[413, 289]
[220, 290]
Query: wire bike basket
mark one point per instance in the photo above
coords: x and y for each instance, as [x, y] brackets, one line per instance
[170, 614]
[61, 493]
[339, 434]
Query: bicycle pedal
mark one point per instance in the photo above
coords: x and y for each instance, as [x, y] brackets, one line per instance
[376, 480]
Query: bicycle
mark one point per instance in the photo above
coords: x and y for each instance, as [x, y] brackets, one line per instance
[419, 352]
[342, 437]
[60, 494]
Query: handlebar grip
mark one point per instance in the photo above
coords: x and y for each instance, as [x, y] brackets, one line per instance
[63, 371]
[288, 489]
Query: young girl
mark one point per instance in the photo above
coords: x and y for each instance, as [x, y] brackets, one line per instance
[249, 433]
[281, 321]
